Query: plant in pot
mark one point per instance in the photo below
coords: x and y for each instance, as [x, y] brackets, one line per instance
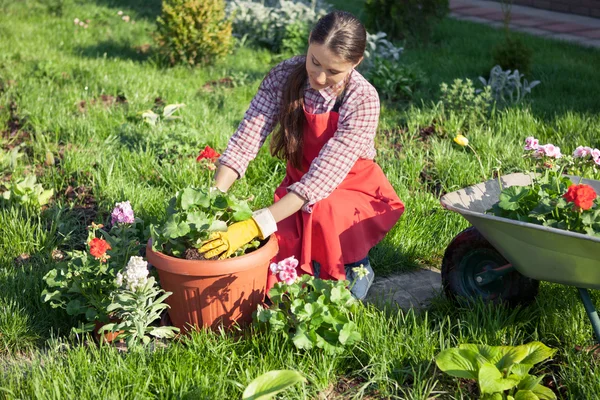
[214, 292]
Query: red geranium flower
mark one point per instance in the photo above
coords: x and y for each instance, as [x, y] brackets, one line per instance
[98, 248]
[582, 195]
[209, 154]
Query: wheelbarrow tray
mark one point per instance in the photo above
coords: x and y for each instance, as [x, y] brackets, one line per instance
[536, 251]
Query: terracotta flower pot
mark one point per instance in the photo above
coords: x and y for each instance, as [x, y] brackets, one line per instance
[106, 337]
[213, 293]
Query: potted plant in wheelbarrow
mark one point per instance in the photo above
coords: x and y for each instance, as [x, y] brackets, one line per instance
[208, 292]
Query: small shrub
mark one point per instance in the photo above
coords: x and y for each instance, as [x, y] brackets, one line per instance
[267, 23]
[404, 19]
[514, 54]
[506, 86]
[462, 99]
[378, 47]
[193, 31]
[394, 81]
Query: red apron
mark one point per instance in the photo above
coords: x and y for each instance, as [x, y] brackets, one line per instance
[343, 227]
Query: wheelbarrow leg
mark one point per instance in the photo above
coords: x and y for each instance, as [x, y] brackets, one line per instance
[591, 311]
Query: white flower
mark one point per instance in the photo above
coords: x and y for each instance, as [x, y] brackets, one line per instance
[360, 271]
[76, 21]
[119, 279]
[125, 18]
[120, 13]
[136, 273]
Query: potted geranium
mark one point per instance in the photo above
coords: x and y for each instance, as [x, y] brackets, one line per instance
[553, 198]
[208, 293]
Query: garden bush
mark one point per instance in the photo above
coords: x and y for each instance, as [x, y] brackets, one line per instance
[395, 81]
[193, 31]
[268, 23]
[513, 53]
[404, 19]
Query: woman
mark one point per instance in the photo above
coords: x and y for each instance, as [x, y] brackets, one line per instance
[335, 203]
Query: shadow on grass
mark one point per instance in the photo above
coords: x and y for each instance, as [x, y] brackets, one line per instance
[112, 49]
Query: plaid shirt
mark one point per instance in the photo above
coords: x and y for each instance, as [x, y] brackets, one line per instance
[354, 138]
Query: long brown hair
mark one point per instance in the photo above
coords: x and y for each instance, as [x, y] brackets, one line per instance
[346, 37]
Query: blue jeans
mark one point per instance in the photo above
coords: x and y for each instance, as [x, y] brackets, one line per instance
[362, 285]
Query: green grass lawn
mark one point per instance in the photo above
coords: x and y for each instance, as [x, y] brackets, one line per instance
[52, 79]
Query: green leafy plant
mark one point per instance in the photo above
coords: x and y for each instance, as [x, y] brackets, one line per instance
[552, 199]
[502, 372]
[462, 101]
[295, 39]
[83, 283]
[270, 383]
[311, 312]
[26, 192]
[137, 303]
[192, 215]
[193, 32]
[393, 80]
[152, 118]
[507, 87]
[404, 19]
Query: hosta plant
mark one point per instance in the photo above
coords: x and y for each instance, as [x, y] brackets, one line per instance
[501, 372]
[137, 303]
[552, 199]
[508, 87]
[192, 215]
[26, 193]
[311, 312]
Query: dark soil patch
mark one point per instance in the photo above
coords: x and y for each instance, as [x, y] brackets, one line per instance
[432, 185]
[14, 134]
[210, 86]
[85, 207]
[426, 133]
[347, 388]
[194, 254]
[104, 100]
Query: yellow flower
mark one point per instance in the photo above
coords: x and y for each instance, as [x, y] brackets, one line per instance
[461, 140]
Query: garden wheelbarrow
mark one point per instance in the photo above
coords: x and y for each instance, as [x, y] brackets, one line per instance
[500, 259]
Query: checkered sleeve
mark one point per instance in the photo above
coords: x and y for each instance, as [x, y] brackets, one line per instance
[259, 120]
[354, 138]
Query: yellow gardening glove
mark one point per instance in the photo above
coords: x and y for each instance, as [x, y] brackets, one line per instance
[224, 244]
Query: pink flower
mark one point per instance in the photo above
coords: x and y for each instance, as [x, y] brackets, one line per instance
[288, 276]
[285, 270]
[531, 143]
[122, 213]
[582, 152]
[596, 156]
[548, 150]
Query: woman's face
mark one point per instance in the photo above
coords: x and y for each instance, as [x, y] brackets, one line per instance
[325, 68]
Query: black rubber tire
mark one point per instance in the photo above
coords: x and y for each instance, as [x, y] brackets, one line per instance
[463, 258]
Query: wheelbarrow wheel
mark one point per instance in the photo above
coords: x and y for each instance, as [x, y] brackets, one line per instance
[470, 253]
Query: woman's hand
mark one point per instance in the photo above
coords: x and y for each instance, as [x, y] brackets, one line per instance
[224, 244]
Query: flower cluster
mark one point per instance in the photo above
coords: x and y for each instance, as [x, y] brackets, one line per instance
[539, 151]
[98, 248]
[587, 153]
[125, 18]
[122, 213]
[83, 24]
[583, 196]
[286, 270]
[136, 274]
[208, 157]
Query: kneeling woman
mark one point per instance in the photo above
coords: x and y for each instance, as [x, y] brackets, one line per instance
[335, 203]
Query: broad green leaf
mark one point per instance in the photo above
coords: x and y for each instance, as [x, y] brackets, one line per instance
[544, 393]
[174, 230]
[45, 197]
[269, 384]
[460, 363]
[220, 202]
[493, 396]
[535, 352]
[150, 117]
[491, 380]
[194, 197]
[349, 334]
[529, 382]
[198, 219]
[74, 307]
[241, 211]
[304, 339]
[510, 197]
[490, 353]
[521, 369]
[218, 226]
[525, 395]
